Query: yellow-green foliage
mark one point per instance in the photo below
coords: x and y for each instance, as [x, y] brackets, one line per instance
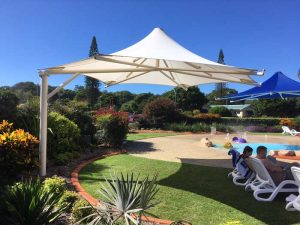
[55, 184]
[68, 199]
[18, 148]
[81, 209]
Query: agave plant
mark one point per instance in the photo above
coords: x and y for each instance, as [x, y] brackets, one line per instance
[28, 203]
[124, 198]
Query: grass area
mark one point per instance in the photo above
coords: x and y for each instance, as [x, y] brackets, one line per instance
[198, 194]
[139, 136]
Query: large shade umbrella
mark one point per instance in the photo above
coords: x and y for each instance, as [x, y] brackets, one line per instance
[277, 86]
[156, 59]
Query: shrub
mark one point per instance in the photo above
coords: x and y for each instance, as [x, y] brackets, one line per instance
[134, 125]
[287, 122]
[29, 203]
[27, 116]
[81, 209]
[8, 104]
[249, 121]
[78, 113]
[63, 136]
[68, 200]
[221, 110]
[112, 127]
[196, 127]
[54, 184]
[18, 149]
[257, 128]
[65, 158]
[297, 121]
[161, 110]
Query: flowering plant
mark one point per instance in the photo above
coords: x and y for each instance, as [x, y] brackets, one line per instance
[17, 147]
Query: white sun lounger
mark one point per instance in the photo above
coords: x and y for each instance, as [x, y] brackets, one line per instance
[240, 176]
[293, 200]
[287, 130]
[264, 184]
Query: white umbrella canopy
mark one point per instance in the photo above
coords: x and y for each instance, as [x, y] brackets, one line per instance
[156, 59]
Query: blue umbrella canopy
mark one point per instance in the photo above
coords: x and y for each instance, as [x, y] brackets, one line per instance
[277, 86]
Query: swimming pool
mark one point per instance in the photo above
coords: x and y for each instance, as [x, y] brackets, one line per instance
[270, 146]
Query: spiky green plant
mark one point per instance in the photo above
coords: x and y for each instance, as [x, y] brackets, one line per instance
[124, 198]
[28, 203]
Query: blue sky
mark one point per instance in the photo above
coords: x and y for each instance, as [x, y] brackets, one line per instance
[253, 34]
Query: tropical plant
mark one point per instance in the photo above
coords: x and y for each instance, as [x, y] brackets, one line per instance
[28, 203]
[18, 149]
[125, 198]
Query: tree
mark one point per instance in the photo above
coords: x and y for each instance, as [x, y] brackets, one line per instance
[107, 100]
[25, 90]
[142, 99]
[8, 104]
[161, 110]
[92, 84]
[276, 107]
[189, 99]
[220, 86]
[213, 95]
[81, 94]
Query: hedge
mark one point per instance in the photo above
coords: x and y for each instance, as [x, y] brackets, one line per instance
[249, 121]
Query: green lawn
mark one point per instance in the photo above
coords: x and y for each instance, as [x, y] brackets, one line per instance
[198, 194]
[139, 136]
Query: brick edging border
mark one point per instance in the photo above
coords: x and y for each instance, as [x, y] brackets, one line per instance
[91, 199]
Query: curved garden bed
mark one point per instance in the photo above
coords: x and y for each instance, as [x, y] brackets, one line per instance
[198, 194]
[75, 182]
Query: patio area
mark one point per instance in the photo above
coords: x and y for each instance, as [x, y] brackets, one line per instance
[188, 149]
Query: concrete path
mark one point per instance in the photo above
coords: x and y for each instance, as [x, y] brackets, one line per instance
[187, 149]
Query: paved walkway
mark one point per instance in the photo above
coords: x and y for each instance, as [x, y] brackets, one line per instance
[187, 149]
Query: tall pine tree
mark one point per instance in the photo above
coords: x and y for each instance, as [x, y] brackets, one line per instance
[220, 86]
[91, 84]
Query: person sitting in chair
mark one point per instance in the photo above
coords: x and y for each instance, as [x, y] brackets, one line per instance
[279, 171]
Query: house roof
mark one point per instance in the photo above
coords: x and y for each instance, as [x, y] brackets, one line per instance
[232, 107]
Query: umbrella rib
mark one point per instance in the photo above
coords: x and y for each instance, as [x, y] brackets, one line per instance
[129, 74]
[171, 74]
[167, 76]
[170, 69]
[214, 78]
[192, 65]
[120, 81]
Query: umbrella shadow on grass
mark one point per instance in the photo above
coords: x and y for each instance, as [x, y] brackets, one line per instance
[139, 147]
[213, 183]
[89, 173]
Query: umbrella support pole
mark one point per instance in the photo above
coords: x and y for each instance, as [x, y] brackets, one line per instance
[43, 123]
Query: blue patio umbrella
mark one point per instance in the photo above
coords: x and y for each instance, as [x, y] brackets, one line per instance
[277, 86]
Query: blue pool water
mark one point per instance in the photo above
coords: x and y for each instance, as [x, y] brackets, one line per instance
[270, 146]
